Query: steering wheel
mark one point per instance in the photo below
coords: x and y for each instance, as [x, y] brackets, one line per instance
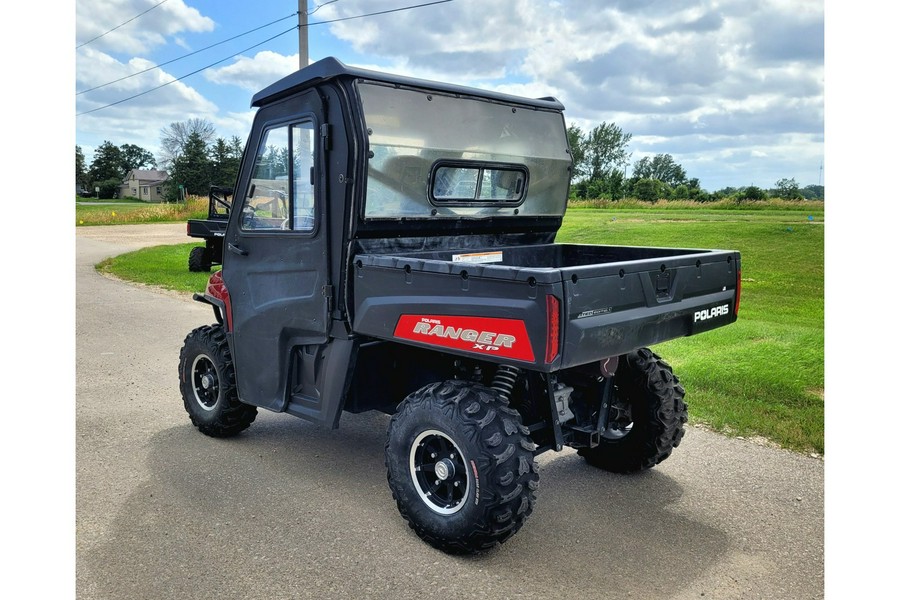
[248, 217]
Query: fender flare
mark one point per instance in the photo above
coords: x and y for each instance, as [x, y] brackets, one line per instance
[219, 308]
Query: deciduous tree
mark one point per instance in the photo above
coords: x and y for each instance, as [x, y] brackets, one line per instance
[576, 148]
[107, 163]
[788, 189]
[752, 193]
[661, 167]
[650, 190]
[174, 138]
[605, 149]
[135, 157]
[598, 160]
[813, 192]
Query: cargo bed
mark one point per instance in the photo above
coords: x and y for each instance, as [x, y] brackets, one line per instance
[608, 299]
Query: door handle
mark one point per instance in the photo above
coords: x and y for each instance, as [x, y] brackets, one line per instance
[237, 249]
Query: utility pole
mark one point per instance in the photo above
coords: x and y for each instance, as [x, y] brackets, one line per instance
[303, 17]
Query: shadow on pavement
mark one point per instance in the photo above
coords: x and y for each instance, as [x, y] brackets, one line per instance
[289, 510]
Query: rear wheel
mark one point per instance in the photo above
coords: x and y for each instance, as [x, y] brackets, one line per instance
[199, 260]
[647, 414]
[208, 388]
[461, 466]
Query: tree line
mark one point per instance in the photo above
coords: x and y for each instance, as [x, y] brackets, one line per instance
[190, 152]
[195, 158]
[600, 162]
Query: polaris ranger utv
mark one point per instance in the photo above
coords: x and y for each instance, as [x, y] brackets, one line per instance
[391, 247]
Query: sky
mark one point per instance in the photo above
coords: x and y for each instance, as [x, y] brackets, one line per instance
[734, 90]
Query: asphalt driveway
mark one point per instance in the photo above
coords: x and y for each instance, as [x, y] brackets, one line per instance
[291, 510]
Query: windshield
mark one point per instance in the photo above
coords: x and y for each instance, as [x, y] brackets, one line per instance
[439, 155]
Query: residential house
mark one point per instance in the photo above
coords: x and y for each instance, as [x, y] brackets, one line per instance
[146, 185]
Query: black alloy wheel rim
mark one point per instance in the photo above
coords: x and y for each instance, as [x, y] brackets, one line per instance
[438, 470]
[205, 382]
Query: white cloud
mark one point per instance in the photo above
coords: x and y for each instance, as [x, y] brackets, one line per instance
[253, 74]
[126, 113]
[137, 121]
[95, 17]
[234, 124]
[698, 71]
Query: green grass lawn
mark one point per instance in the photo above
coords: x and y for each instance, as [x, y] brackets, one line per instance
[161, 266]
[762, 376]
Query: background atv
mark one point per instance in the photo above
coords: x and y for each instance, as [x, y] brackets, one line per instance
[211, 229]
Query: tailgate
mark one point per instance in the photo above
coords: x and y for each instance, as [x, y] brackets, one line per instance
[207, 228]
[614, 308]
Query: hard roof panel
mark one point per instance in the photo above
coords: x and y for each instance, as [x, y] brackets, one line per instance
[330, 68]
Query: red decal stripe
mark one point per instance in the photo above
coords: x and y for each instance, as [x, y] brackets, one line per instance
[506, 338]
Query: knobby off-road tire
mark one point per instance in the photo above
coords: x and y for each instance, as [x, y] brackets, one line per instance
[461, 466]
[206, 378]
[645, 386]
[199, 260]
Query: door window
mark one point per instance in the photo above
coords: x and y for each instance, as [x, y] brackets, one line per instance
[280, 196]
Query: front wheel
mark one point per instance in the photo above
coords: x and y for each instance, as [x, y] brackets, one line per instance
[647, 414]
[208, 388]
[461, 466]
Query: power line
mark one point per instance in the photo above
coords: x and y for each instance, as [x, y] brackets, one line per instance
[97, 87]
[383, 12]
[186, 76]
[318, 6]
[102, 85]
[120, 25]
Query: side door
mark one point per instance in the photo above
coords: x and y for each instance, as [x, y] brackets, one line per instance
[275, 257]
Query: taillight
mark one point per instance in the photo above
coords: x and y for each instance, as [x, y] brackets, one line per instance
[216, 289]
[552, 329]
[737, 295]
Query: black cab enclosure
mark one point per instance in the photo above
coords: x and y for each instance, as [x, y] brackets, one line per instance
[391, 246]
